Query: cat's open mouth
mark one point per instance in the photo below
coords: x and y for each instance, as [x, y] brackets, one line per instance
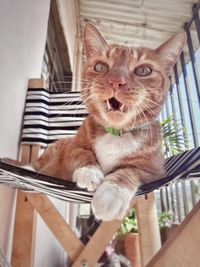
[113, 104]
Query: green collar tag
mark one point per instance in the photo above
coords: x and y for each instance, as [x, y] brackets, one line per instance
[117, 132]
[112, 131]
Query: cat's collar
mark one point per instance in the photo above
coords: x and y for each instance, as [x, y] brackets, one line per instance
[117, 132]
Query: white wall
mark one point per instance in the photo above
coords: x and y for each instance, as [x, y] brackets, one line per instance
[23, 26]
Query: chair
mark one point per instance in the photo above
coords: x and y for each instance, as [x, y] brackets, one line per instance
[50, 116]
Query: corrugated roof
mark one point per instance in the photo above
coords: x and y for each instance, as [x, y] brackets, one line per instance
[137, 22]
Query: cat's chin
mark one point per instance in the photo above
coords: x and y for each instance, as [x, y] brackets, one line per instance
[115, 114]
[116, 119]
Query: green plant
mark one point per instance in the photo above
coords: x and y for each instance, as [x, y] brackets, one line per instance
[165, 219]
[129, 224]
[173, 137]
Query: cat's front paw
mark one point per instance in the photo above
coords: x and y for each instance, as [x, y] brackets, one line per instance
[88, 177]
[111, 201]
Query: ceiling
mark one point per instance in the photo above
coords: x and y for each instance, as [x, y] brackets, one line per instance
[145, 23]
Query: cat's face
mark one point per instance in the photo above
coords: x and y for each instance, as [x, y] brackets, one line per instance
[123, 86]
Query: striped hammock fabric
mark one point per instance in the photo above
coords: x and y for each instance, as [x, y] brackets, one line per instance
[51, 116]
[180, 167]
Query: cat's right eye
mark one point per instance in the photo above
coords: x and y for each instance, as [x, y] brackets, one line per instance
[101, 67]
[143, 71]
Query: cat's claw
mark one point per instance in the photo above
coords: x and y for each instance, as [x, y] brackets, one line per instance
[111, 201]
[88, 177]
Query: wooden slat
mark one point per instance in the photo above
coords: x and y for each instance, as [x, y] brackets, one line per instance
[23, 237]
[37, 83]
[35, 150]
[25, 154]
[56, 224]
[182, 249]
[97, 244]
[23, 232]
[149, 234]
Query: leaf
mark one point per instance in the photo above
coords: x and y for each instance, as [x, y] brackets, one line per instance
[129, 224]
[173, 136]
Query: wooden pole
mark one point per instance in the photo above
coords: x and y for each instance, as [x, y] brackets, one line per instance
[23, 233]
[149, 234]
[97, 244]
[24, 236]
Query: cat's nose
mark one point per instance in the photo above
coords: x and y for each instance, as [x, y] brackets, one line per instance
[117, 83]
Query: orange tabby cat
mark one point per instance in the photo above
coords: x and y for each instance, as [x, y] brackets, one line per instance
[118, 146]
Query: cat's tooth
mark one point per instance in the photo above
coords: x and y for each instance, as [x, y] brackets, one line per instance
[108, 105]
[122, 107]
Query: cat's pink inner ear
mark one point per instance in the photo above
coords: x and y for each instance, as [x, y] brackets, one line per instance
[170, 50]
[95, 44]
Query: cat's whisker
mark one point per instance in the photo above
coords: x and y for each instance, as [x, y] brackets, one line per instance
[151, 93]
[135, 118]
[149, 129]
[154, 119]
[81, 79]
[153, 102]
[89, 103]
[153, 116]
[86, 94]
[133, 125]
[149, 125]
[65, 105]
[160, 93]
[71, 102]
[88, 100]
[142, 132]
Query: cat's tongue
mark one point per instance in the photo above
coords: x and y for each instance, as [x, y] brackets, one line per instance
[113, 104]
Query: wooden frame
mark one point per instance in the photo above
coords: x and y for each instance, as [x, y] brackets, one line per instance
[182, 249]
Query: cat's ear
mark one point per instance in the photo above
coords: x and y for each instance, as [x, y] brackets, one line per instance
[170, 50]
[94, 42]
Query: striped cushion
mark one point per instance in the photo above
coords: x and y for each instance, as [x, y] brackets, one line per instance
[51, 116]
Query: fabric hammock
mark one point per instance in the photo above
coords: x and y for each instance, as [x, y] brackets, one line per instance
[51, 116]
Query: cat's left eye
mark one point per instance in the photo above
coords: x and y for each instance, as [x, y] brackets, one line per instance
[101, 67]
[143, 71]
